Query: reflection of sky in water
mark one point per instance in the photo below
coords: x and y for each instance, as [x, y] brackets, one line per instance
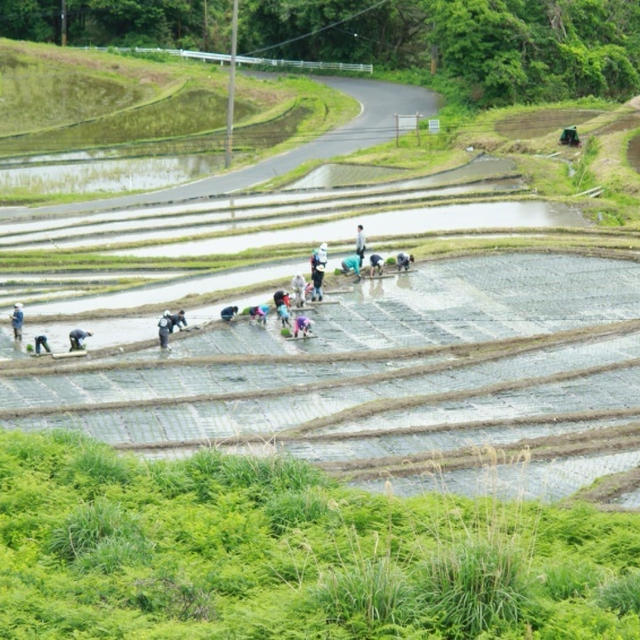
[483, 215]
[110, 176]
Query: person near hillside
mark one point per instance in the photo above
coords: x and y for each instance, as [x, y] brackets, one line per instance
[17, 320]
[229, 313]
[376, 263]
[351, 263]
[77, 338]
[283, 314]
[42, 343]
[360, 243]
[404, 261]
[259, 314]
[302, 323]
[318, 277]
[176, 320]
[298, 285]
[281, 297]
[319, 256]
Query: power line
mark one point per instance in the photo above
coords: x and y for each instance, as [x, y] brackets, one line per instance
[313, 33]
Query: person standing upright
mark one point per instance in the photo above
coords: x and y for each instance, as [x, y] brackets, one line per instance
[17, 320]
[360, 243]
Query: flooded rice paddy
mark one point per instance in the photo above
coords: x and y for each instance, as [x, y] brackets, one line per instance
[385, 409]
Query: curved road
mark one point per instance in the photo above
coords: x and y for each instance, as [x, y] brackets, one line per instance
[374, 125]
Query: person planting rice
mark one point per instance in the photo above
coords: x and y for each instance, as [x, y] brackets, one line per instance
[376, 265]
[177, 319]
[404, 261]
[298, 286]
[77, 338]
[283, 314]
[281, 297]
[42, 343]
[259, 314]
[318, 277]
[351, 263]
[302, 323]
[229, 313]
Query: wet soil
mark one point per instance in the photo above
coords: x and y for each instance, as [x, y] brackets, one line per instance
[539, 123]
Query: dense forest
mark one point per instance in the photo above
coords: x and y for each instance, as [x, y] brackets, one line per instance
[500, 51]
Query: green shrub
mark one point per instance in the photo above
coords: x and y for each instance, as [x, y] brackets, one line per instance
[621, 595]
[292, 508]
[374, 589]
[262, 475]
[97, 464]
[170, 478]
[571, 579]
[474, 586]
[174, 598]
[89, 527]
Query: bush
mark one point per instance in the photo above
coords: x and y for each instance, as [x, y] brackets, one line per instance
[474, 586]
[374, 589]
[174, 598]
[571, 579]
[262, 475]
[102, 528]
[293, 508]
[622, 595]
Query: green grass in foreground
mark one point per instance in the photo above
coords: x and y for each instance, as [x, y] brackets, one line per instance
[93, 545]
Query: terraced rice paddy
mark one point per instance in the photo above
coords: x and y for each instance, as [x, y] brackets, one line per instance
[524, 363]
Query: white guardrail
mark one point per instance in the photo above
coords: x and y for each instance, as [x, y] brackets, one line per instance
[266, 62]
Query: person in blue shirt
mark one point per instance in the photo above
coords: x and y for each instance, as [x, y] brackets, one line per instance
[259, 313]
[351, 263]
[17, 320]
[176, 320]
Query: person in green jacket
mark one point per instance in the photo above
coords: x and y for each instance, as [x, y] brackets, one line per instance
[351, 263]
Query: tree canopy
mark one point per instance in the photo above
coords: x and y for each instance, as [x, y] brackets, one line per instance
[501, 51]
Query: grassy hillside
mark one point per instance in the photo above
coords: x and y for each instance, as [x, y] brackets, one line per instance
[93, 545]
[62, 101]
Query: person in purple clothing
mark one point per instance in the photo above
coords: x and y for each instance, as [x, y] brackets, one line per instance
[302, 323]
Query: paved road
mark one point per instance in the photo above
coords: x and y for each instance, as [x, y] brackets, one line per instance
[374, 125]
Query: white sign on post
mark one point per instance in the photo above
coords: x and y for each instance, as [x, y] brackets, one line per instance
[434, 126]
[407, 123]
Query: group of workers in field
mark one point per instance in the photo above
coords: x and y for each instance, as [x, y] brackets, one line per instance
[41, 342]
[303, 291]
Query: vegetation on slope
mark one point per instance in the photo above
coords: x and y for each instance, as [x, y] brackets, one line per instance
[99, 546]
[498, 51]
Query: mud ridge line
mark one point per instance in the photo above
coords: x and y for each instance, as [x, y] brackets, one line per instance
[338, 198]
[590, 442]
[364, 410]
[471, 351]
[385, 405]
[609, 488]
[276, 438]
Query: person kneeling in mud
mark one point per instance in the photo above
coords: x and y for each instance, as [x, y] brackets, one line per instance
[376, 265]
[283, 314]
[302, 323]
[259, 314]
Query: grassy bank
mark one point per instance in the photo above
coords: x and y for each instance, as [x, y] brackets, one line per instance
[99, 546]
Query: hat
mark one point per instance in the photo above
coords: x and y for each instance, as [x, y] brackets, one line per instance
[166, 312]
[18, 305]
[324, 246]
[320, 267]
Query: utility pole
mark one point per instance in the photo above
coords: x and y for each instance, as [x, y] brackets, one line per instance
[232, 85]
[205, 29]
[63, 23]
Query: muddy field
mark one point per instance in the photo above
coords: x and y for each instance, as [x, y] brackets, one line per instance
[422, 378]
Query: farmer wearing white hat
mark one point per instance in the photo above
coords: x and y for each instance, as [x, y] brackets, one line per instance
[17, 320]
